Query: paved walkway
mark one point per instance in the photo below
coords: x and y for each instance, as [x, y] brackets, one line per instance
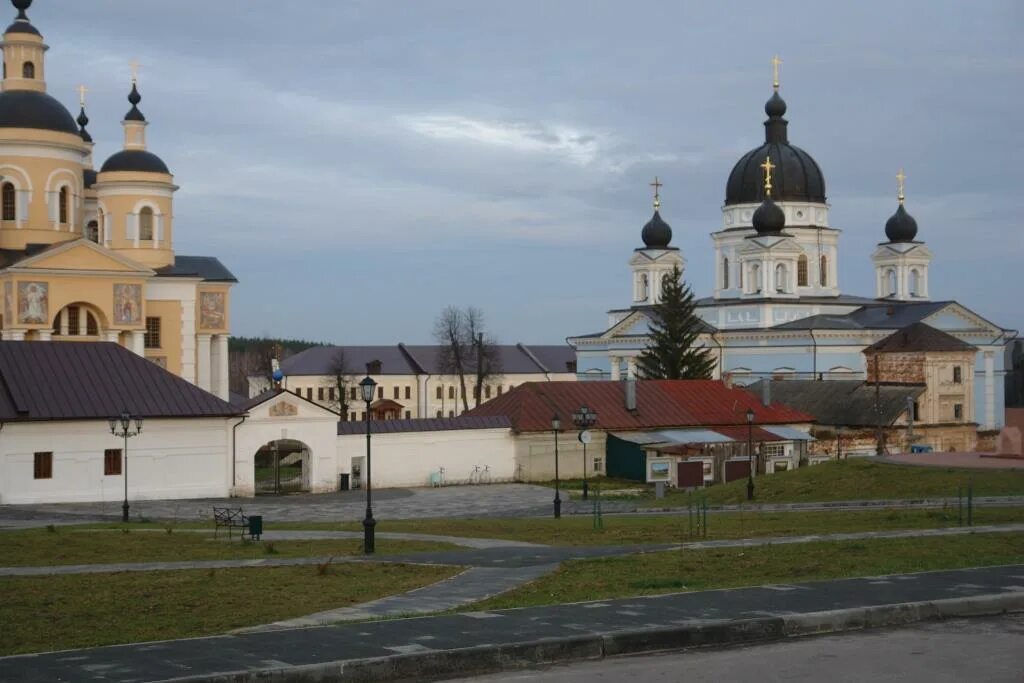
[252, 652]
[974, 461]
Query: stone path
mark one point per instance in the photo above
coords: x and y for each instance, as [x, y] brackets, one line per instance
[215, 657]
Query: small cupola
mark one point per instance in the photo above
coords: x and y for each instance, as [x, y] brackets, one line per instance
[769, 218]
[134, 157]
[656, 234]
[901, 226]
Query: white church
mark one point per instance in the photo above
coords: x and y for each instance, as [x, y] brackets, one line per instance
[776, 309]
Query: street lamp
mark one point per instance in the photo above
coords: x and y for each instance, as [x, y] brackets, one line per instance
[556, 424]
[121, 426]
[750, 454]
[367, 387]
[584, 419]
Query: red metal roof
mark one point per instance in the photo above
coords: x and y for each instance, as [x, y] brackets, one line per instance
[660, 404]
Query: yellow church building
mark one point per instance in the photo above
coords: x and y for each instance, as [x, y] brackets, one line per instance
[88, 254]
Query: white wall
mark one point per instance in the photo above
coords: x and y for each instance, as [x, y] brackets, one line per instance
[408, 458]
[172, 458]
[535, 455]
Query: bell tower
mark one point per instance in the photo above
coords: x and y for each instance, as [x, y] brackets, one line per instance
[901, 264]
[656, 259]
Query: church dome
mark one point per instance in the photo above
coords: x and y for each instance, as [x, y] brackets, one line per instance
[656, 233]
[32, 109]
[901, 226]
[769, 218]
[21, 23]
[136, 160]
[797, 175]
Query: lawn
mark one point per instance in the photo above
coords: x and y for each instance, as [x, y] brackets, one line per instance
[858, 479]
[84, 610]
[67, 545]
[694, 570]
[624, 529]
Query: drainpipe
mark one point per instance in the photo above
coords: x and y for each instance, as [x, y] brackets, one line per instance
[234, 441]
[814, 356]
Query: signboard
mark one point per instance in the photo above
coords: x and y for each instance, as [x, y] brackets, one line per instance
[659, 469]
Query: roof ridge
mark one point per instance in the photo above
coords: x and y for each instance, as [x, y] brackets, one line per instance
[529, 354]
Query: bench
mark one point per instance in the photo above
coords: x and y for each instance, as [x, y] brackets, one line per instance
[231, 518]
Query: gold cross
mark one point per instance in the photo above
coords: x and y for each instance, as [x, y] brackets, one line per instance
[134, 64]
[768, 166]
[900, 177]
[776, 63]
[81, 95]
[657, 198]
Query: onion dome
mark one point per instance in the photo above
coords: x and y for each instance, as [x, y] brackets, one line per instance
[134, 98]
[769, 218]
[901, 226]
[21, 23]
[798, 176]
[33, 109]
[656, 233]
[83, 121]
[136, 160]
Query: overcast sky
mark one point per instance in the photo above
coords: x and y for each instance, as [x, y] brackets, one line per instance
[360, 165]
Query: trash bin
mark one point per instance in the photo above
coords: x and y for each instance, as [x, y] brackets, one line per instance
[255, 526]
[343, 481]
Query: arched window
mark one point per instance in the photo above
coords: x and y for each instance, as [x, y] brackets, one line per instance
[740, 272]
[63, 205]
[92, 231]
[28, 70]
[9, 202]
[755, 278]
[823, 270]
[801, 271]
[890, 277]
[146, 223]
[75, 320]
[915, 283]
[780, 278]
[644, 287]
[725, 273]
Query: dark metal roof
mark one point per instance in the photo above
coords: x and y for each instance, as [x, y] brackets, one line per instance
[89, 177]
[656, 234]
[843, 402]
[877, 315]
[33, 109]
[431, 424]
[247, 404]
[137, 160]
[919, 337]
[208, 268]
[93, 380]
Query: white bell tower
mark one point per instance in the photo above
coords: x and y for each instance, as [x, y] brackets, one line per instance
[901, 264]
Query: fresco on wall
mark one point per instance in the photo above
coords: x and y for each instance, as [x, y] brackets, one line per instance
[127, 304]
[211, 310]
[8, 303]
[33, 302]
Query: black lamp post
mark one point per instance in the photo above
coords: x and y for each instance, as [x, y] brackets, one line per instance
[750, 454]
[367, 387]
[584, 419]
[121, 426]
[556, 424]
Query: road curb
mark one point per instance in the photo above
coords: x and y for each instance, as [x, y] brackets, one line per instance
[484, 659]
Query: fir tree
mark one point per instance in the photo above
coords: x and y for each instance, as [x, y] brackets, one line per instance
[670, 352]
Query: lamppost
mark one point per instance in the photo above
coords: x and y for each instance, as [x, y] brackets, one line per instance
[584, 419]
[750, 454]
[124, 421]
[367, 387]
[556, 424]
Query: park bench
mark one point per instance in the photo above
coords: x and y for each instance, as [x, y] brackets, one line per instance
[231, 518]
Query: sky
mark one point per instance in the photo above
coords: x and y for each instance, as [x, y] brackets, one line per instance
[361, 165]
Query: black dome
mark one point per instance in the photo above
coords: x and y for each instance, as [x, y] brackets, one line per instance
[32, 109]
[901, 226]
[134, 160]
[89, 178]
[769, 219]
[21, 23]
[796, 176]
[656, 233]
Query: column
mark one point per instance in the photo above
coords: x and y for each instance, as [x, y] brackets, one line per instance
[113, 336]
[138, 342]
[203, 361]
[631, 367]
[990, 391]
[14, 335]
[45, 335]
[421, 396]
[83, 321]
[64, 322]
[615, 361]
[220, 360]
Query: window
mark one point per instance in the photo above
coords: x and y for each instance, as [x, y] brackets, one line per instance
[112, 462]
[352, 394]
[62, 205]
[440, 414]
[91, 328]
[92, 232]
[73, 319]
[916, 412]
[890, 277]
[320, 393]
[298, 392]
[146, 223]
[309, 393]
[9, 202]
[957, 376]
[958, 411]
[755, 278]
[396, 393]
[440, 392]
[28, 70]
[352, 416]
[451, 392]
[152, 337]
[644, 288]
[823, 270]
[362, 415]
[43, 466]
[408, 415]
[801, 271]
[476, 392]
[598, 465]
[501, 389]
[740, 271]
[408, 392]
[780, 278]
[380, 392]
[487, 391]
[725, 273]
[915, 282]
[451, 413]
[330, 394]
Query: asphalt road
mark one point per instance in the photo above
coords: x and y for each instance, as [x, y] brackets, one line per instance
[957, 651]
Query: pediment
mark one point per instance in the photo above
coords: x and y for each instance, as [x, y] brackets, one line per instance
[81, 255]
[285, 405]
[897, 250]
[956, 317]
[775, 244]
[646, 256]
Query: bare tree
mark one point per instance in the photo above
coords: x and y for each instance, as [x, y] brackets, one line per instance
[486, 359]
[466, 349]
[338, 380]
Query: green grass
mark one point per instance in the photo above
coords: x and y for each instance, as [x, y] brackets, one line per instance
[68, 545]
[858, 479]
[287, 472]
[606, 484]
[690, 570]
[84, 610]
[625, 529]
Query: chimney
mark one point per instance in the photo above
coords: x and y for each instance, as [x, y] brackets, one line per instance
[890, 310]
[766, 392]
[631, 395]
[373, 367]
